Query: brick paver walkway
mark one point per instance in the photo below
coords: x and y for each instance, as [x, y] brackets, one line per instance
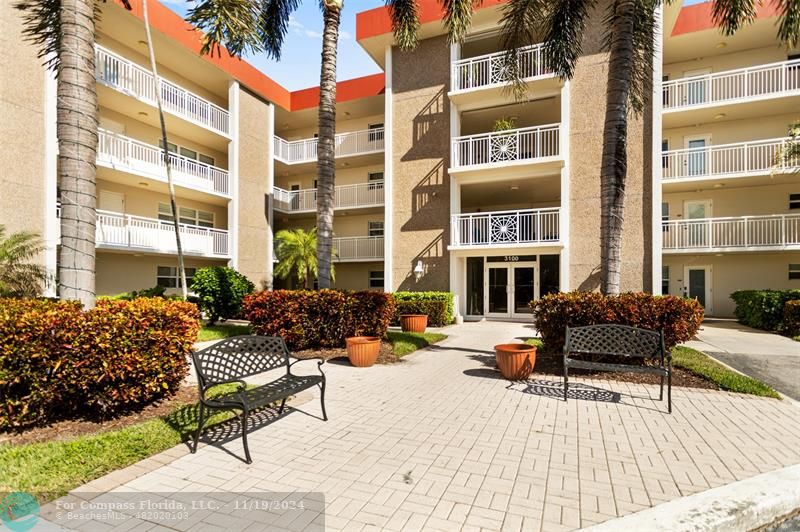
[440, 443]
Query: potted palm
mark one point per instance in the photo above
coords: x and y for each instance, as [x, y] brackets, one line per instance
[515, 361]
[363, 351]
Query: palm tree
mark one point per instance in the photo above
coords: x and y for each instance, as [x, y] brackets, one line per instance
[630, 30]
[296, 252]
[261, 26]
[20, 275]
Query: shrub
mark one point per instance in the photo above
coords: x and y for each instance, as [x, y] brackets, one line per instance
[156, 291]
[220, 291]
[318, 318]
[679, 318]
[58, 362]
[791, 317]
[437, 305]
[762, 309]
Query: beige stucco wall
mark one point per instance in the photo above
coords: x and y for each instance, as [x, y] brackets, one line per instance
[761, 128]
[749, 201]
[734, 271]
[351, 225]
[123, 272]
[731, 61]
[344, 176]
[22, 129]
[587, 95]
[255, 183]
[343, 125]
[420, 158]
[355, 275]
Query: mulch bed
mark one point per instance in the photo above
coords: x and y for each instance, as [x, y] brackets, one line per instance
[386, 355]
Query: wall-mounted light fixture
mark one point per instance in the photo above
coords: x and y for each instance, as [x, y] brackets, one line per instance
[418, 270]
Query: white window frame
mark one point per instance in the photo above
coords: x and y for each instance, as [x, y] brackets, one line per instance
[376, 136]
[173, 275]
[794, 272]
[372, 230]
[166, 215]
[664, 279]
[794, 201]
[373, 281]
[178, 149]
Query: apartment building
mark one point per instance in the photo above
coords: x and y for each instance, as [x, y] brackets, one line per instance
[444, 180]
[730, 208]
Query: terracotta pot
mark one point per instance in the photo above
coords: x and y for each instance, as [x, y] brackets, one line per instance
[363, 351]
[515, 361]
[414, 322]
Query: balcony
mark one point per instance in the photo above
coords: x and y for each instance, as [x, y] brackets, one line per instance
[357, 196]
[363, 142]
[531, 150]
[481, 81]
[125, 154]
[135, 233]
[742, 233]
[505, 229]
[750, 89]
[122, 75]
[358, 248]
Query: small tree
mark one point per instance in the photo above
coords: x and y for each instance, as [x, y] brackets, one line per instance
[220, 290]
[297, 255]
[20, 276]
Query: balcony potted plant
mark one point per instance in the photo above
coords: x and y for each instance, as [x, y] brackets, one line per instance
[363, 351]
[504, 145]
[416, 323]
[515, 361]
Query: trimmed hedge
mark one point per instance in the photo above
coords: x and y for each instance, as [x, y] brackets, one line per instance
[59, 362]
[679, 318]
[762, 309]
[437, 305]
[220, 291]
[318, 318]
[791, 317]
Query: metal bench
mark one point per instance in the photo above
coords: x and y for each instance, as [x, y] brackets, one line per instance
[620, 341]
[236, 358]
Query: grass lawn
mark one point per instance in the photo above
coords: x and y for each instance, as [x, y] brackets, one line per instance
[703, 365]
[220, 331]
[48, 470]
[405, 343]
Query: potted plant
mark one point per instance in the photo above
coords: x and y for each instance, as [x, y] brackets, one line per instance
[515, 361]
[363, 351]
[416, 323]
[504, 124]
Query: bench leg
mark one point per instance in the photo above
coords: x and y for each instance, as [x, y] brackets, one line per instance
[244, 437]
[322, 400]
[661, 391]
[200, 421]
[283, 403]
[669, 391]
[566, 380]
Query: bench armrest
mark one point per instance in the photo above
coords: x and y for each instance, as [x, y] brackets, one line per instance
[242, 386]
[320, 362]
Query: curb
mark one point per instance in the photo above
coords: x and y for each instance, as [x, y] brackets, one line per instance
[741, 506]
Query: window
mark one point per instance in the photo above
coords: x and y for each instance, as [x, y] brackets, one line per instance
[794, 201]
[375, 132]
[376, 279]
[205, 159]
[189, 154]
[171, 146]
[664, 156]
[375, 229]
[186, 215]
[168, 277]
[665, 280]
[376, 180]
[794, 272]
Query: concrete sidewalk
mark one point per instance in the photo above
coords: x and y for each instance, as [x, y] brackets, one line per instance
[768, 357]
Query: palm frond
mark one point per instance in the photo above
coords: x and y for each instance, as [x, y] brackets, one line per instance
[234, 24]
[405, 22]
[20, 274]
[730, 15]
[274, 25]
[789, 27]
[458, 18]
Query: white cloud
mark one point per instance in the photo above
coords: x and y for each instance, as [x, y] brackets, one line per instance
[345, 35]
[312, 34]
[293, 23]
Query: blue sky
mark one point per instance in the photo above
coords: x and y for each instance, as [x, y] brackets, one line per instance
[299, 64]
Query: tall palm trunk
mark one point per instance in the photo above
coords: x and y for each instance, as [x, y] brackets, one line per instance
[76, 123]
[165, 150]
[615, 144]
[326, 144]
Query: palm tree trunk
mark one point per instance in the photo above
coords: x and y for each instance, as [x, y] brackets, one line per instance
[615, 143]
[76, 117]
[326, 148]
[165, 149]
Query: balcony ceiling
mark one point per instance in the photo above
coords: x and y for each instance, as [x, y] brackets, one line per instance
[533, 113]
[531, 191]
[360, 108]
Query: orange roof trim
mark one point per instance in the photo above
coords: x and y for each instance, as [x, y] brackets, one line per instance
[351, 89]
[697, 17]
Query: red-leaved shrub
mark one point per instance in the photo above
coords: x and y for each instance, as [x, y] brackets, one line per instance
[791, 317]
[59, 362]
[318, 318]
[679, 318]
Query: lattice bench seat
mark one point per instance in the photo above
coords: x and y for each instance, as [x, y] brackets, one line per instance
[621, 341]
[234, 359]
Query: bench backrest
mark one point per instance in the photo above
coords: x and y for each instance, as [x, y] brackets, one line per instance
[612, 339]
[239, 357]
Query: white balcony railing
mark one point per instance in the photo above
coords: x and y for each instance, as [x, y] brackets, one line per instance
[345, 197]
[149, 234]
[129, 155]
[347, 144]
[358, 248]
[762, 81]
[505, 228]
[525, 144]
[742, 232]
[126, 76]
[490, 69]
[757, 157]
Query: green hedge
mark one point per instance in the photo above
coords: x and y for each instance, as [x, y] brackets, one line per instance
[763, 309]
[437, 305]
[220, 291]
[791, 317]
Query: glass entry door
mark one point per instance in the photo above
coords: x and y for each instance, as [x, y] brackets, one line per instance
[524, 290]
[509, 289]
[497, 291]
